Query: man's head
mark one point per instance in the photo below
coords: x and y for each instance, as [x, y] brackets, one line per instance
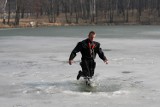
[91, 35]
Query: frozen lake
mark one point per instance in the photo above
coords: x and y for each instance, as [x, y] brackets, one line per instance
[34, 71]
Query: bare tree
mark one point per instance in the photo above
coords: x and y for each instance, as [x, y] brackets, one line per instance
[127, 10]
[111, 11]
[158, 7]
[92, 5]
[139, 10]
[9, 11]
[3, 9]
[17, 17]
[85, 11]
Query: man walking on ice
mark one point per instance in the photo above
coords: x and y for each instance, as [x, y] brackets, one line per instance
[88, 49]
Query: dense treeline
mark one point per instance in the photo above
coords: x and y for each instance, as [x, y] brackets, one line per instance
[86, 11]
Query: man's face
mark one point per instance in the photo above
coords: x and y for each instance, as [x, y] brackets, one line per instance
[91, 37]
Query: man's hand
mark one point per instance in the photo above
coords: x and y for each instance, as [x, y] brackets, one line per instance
[70, 62]
[106, 61]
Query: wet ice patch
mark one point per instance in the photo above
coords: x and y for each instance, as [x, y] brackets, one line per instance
[48, 87]
[151, 33]
[109, 86]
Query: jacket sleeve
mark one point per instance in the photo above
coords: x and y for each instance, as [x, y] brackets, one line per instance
[101, 53]
[75, 50]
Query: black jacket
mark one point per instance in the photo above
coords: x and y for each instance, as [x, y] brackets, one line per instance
[88, 50]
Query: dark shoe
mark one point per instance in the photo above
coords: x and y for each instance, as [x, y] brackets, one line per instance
[79, 74]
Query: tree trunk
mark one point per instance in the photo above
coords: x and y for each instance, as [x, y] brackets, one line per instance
[111, 11]
[65, 10]
[158, 7]
[76, 9]
[50, 11]
[9, 11]
[17, 17]
[139, 10]
[92, 6]
[127, 9]
[3, 5]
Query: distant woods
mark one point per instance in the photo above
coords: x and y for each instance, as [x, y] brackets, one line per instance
[86, 11]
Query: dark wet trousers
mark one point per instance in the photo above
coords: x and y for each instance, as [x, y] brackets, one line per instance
[88, 67]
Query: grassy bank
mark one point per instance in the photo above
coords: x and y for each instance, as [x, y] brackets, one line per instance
[43, 22]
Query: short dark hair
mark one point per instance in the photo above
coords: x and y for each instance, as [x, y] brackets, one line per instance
[91, 33]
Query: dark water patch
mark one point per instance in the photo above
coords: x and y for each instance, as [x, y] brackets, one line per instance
[107, 50]
[110, 50]
[126, 72]
[65, 62]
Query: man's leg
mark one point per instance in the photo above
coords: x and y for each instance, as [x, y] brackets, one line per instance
[80, 73]
[92, 68]
[88, 67]
[85, 68]
[84, 72]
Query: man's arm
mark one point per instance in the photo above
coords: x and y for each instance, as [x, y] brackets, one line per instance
[73, 53]
[101, 54]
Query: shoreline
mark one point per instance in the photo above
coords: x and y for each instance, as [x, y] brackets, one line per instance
[45, 24]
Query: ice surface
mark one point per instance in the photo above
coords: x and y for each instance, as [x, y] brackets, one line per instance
[34, 73]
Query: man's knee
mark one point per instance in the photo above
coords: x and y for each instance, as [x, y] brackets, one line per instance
[88, 68]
